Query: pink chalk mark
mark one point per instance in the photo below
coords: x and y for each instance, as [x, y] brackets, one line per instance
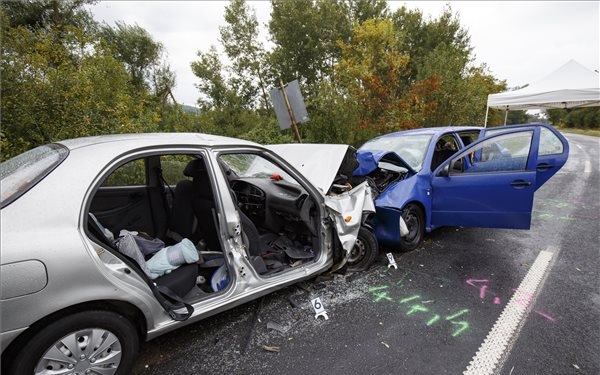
[482, 291]
[496, 300]
[544, 315]
[473, 281]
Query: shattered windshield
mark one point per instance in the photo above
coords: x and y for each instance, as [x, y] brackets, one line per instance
[251, 165]
[411, 148]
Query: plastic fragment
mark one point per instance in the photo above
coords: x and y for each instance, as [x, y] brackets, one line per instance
[277, 327]
[272, 349]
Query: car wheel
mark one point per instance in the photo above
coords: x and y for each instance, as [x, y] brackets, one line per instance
[415, 222]
[364, 252]
[91, 342]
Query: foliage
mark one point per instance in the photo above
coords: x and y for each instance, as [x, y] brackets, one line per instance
[62, 78]
[581, 118]
[363, 70]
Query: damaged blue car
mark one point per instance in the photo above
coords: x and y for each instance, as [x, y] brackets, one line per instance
[428, 178]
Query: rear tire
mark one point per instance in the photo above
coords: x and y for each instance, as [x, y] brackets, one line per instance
[415, 221]
[90, 340]
[364, 252]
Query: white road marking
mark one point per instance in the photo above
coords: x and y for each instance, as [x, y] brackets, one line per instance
[579, 146]
[588, 167]
[501, 338]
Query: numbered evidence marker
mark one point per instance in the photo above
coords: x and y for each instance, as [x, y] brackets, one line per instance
[392, 261]
[319, 309]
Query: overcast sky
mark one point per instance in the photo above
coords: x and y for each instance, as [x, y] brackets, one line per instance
[520, 41]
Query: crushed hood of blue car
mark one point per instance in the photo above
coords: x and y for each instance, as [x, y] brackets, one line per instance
[369, 161]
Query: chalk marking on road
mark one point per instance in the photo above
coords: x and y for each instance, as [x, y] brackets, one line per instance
[587, 167]
[502, 336]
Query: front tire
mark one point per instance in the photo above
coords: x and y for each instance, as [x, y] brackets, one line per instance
[415, 221]
[364, 252]
[86, 342]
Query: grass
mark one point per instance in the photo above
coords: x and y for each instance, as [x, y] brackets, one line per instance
[592, 132]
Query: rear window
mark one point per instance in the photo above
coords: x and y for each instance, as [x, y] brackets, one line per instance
[22, 172]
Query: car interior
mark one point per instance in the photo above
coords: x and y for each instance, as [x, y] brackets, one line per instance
[171, 197]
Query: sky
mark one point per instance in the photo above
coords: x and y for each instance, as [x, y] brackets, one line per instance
[519, 41]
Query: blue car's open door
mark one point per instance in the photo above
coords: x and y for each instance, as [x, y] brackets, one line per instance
[491, 183]
[553, 149]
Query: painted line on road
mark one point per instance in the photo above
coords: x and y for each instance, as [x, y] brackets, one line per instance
[587, 167]
[502, 336]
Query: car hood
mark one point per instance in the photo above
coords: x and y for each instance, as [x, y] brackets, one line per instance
[320, 164]
[368, 161]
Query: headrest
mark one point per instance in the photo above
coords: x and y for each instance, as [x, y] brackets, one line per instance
[194, 167]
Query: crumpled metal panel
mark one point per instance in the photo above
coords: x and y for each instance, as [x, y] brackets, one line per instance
[347, 211]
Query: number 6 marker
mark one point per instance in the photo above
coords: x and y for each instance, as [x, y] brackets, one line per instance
[319, 309]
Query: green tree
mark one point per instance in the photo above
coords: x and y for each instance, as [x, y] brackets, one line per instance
[60, 79]
[240, 40]
[305, 34]
[134, 46]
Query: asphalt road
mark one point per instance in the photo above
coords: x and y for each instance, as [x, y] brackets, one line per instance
[533, 295]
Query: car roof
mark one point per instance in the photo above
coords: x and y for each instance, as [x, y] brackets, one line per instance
[432, 131]
[155, 139]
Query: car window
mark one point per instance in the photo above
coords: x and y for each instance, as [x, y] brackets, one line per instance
[550, 144]
[504, 153]
[132, 173]
[468, 137]
[173, 166]
[411, 148]
[445, 147]
[21, 173]
[252, 165]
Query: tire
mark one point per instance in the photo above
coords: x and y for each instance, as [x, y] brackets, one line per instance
[415, 221]
[110, 332]
[364, 252]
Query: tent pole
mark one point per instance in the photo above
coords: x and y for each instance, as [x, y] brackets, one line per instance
[505, 115]
[487, 110]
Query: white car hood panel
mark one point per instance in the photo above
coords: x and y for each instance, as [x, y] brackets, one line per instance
[318, 163]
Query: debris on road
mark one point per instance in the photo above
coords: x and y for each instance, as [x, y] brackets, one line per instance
[277, 327]
[272, 349]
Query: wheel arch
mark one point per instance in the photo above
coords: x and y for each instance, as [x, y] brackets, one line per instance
[129, 311]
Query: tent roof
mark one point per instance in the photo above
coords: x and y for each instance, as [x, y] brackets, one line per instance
[570, 86]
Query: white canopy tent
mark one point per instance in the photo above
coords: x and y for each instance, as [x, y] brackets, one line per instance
[570, 86]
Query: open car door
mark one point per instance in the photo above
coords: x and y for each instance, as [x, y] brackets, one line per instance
[553, 150]
[490, 183]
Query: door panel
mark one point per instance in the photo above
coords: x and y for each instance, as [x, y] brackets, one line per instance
[489, 184]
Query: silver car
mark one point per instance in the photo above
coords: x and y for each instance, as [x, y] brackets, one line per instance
[108, 241]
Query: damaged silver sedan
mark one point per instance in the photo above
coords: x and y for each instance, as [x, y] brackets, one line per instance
[107, 241]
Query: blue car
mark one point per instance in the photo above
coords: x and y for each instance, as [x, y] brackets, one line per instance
[428, 178]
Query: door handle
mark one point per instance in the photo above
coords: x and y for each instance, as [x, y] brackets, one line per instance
[520, 183]
[544, 166]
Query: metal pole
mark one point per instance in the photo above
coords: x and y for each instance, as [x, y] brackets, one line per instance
[487, 110]
[289, 109]
[505, 115]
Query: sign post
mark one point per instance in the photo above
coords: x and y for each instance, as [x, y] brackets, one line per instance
[289, 106]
